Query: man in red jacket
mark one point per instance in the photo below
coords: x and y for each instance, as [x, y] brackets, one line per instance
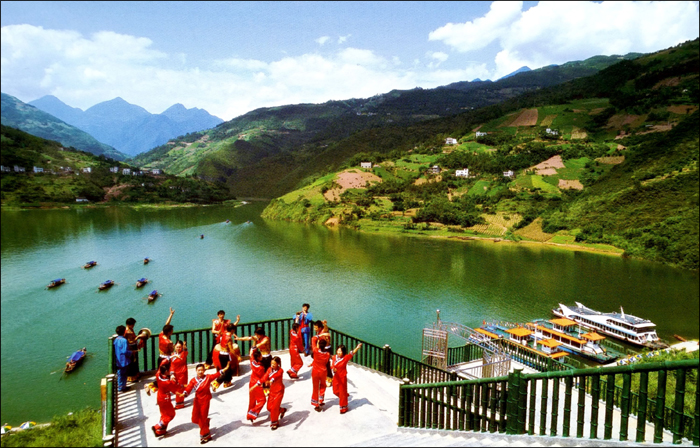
[201, 385]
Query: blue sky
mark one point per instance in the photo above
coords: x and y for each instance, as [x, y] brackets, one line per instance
[233, 57]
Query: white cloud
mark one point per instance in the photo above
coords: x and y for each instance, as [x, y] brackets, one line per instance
[322, 40]
[343, 39]
[557, 32]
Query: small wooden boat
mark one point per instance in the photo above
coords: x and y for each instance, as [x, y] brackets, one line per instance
[57, 282]
[90, 264]
[228, 221]
[146, 260]
[105, 285]
[76, 359]
[153, 296]
[140, 282]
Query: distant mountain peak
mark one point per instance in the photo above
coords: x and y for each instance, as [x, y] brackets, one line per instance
[522, 69]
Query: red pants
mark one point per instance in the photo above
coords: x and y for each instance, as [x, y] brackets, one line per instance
[200, 415]
[340, 389]
[167, 414]
[319, 382]
[182, 381]
[295, 361]
[255, 403]
[274, 402]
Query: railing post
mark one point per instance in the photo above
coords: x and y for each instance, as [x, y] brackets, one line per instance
[386, 362]
[609, 403]
[522, 404]
[696, 424]
[642, 410]
[405, 406]
[555, 408]
[660, 406]
[513, 398]
[111, 364]
[595, 401]
[625, 405]
[568, 385]
[108, 437]
[581, 415]
[678, 406]
[543, 406]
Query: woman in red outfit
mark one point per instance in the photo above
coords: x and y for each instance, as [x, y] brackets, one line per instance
[274, 401]
[318, 373]
[339, 363]
[202, 398]
[296, 348]
[256, 395]
[167, 384]
[178, 367]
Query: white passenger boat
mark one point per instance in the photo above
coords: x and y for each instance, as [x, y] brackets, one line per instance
[626, 327]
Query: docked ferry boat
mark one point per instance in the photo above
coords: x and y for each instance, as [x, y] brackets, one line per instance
[572, 339]
[626, 327]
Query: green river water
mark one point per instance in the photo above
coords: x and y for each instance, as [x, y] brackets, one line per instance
[383, 289]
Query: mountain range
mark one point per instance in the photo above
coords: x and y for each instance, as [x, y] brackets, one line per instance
[20, 115]
[127, 127]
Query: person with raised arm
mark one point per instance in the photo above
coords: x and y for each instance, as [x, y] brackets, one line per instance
[201, 385]
[296, 348]
[339, 363]
[165, 345]
[218, 327]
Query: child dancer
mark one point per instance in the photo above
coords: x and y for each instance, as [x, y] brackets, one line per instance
[167, 384]
[178, 366]
[256, 395]
[202, 398]
[274, 401]
[340, 380]
[296, 347]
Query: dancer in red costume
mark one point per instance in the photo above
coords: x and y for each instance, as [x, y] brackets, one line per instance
[165, 345]
[339, 363]
[178, 366]
[167, 384]
[296, 348]
[201, 384]
[274, 401]
[318, 373]
[256, 395]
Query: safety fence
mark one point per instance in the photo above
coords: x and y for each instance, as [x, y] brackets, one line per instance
[511, 404]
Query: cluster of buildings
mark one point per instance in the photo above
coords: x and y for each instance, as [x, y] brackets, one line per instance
[88, 169]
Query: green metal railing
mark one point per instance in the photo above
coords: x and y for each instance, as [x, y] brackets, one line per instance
[508, 404]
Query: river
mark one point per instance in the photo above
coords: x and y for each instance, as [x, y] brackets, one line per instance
[383, 289]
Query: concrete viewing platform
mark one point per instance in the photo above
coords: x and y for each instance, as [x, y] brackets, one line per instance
[373, 412]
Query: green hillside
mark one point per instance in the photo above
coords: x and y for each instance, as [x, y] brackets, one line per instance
[64, 180]
[28, 118]
[605, 163]
[270, 151]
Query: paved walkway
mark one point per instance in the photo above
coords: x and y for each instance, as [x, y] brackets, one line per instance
[373, 412]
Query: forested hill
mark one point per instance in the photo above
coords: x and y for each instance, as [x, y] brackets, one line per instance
[606, 163]
[67, 174]
[269, 151]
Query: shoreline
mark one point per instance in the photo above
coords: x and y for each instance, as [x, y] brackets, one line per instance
[55, 206]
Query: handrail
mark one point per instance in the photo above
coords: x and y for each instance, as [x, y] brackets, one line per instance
[508, 404]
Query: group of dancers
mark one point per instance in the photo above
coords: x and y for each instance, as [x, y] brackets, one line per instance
[266, 378]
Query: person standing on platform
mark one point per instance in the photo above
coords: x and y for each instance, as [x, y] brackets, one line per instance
[201, 385]
[227, 354]
[304, 319]
[218, 327]
[165, 345]
[166, 384]
[256, 395]
[123, 357]
[178, 367]
[274, 402]
[296, 348]
[318, 374]
[132, 374]
[322, 332]
[262, 343]
[339, 363]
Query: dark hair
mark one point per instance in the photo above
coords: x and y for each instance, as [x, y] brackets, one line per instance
[322, 344]
[230, 327]
[131, 321]
[164, 368]
[295, 326]
[167, 329]
[278, 360]
[220, 312]
[200, 365]
[318, 324]
[306, 305]
[256, 355]
[343, 349]
[121, 329]
[180, 341]
[260, 331]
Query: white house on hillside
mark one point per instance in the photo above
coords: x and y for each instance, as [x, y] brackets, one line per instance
[367, 165]
[126, 171]
[114, 169]
[551, 131]
[462, 173]
[451, 141]
[38, 169]
[87, 169]
[156, 171]
[481, 134]
[508, 173]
